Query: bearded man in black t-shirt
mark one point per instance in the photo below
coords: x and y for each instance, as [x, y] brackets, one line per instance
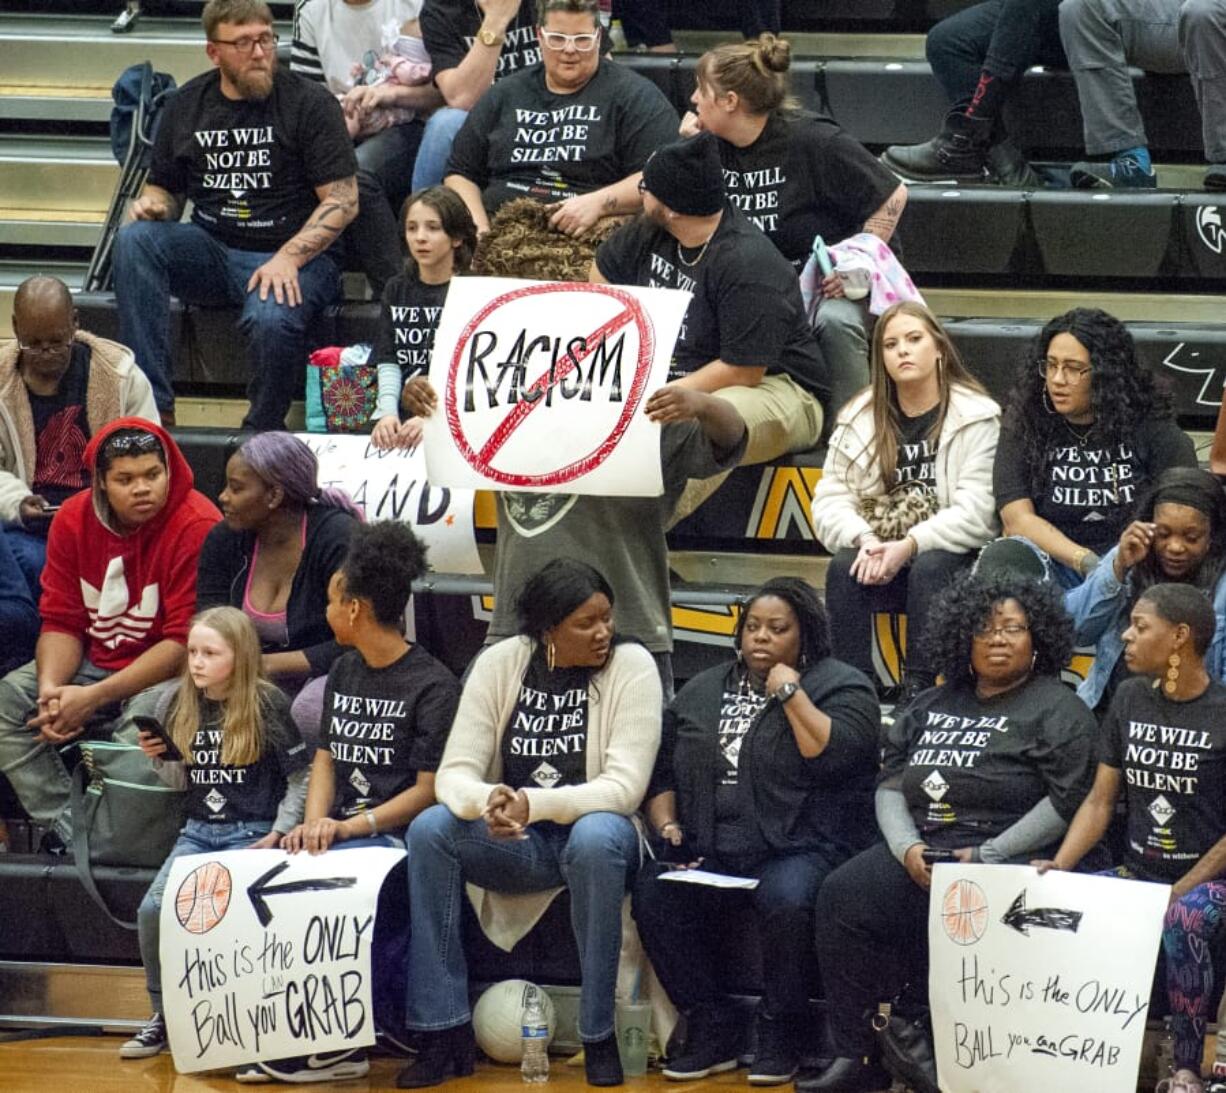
[269, 167]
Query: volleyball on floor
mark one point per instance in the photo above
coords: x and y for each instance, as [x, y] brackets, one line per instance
[498, 1019]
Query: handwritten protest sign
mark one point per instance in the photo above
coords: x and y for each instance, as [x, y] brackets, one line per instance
[265, 955]
[542, 386]
[393, 485]
[1040, 982]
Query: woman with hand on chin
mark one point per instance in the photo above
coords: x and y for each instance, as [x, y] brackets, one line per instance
[1174, 792]
[1179, 535]
[905, 497]
[548, 758]
[990, 767]
[766, 770]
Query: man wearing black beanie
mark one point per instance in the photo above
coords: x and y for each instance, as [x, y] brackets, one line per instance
[745, 336]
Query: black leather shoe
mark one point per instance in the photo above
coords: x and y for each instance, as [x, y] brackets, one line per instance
[846, 1076]
[441, 1054]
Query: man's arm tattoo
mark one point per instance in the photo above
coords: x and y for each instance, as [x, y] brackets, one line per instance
[327, 221]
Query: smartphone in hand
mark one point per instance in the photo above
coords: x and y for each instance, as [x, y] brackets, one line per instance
[931, 855]
[153, 727]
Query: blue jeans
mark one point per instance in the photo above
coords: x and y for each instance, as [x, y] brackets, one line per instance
[435, 147]
[18, 607]
[154, 260]
[197, 837]
[594, 857]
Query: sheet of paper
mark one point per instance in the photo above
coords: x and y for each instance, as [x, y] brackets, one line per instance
[712, 880]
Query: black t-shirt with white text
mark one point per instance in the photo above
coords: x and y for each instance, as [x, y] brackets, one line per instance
[383, 726]
[917, 451]
[217, 793]
[1088, 491]
[1173, 759]
[523, 140]
[738, 836]
[970, 767]
[746, 310]
[408, 317]
[545, 743]
[804, 177]
[250, 167]
[61, 432]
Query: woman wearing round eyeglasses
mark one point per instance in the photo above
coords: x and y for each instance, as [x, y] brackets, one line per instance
[1084, 432]
[988, 767]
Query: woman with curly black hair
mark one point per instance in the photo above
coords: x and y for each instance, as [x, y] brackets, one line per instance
[988, 767]
[1179, 535]
[1085, 430]
[765, 770]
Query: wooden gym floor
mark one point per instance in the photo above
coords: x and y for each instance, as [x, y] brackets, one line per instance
[91, 1064]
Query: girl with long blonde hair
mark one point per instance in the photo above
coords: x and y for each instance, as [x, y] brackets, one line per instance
[905, 498]
[237, 754]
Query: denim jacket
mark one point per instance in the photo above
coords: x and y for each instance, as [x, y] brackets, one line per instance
[1097, 608]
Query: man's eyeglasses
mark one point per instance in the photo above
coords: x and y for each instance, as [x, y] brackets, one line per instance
[135, 443]
[1011, 630]
[266, 42]
[47, 349]
[1074, 371]
[583, 43]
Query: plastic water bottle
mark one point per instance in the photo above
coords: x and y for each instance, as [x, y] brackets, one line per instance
[535, 1033]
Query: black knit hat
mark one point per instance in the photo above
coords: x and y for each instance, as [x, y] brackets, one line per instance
[687, 176]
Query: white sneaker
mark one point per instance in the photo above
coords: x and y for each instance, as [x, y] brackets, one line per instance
[329, 1066]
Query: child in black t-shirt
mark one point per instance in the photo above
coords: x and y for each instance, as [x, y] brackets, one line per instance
[440, 236]
[243, 765]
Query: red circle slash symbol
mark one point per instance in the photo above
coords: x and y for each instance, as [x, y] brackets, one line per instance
[481, 457]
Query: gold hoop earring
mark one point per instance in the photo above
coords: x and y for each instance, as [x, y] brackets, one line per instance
[551, 655]
[1172, 674]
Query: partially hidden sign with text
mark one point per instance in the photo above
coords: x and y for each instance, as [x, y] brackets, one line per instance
[392, 485]
[267, 955]
[1040, 982]
[542, 385]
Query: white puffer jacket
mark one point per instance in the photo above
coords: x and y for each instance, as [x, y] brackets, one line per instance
[965, 453]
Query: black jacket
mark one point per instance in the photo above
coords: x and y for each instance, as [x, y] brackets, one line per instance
[221, 576]
[824, 803]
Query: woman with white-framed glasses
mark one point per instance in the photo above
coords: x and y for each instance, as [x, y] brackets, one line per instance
[1084, 432]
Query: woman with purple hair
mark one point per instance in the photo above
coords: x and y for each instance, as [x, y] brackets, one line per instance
[275, 552]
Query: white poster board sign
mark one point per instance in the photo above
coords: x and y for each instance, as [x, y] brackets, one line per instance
[542, 384]
[267, 955]
[1040, 982]
[393, 485]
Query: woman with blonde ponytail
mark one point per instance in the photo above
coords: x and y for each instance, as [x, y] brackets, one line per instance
[796, 176]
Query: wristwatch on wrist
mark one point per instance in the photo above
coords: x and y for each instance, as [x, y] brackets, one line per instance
[489, 37]
[786, 691]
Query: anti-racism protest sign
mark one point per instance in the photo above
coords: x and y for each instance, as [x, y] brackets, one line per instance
[1040, 982]
[393, 485]
[267, 955]
[542, 386]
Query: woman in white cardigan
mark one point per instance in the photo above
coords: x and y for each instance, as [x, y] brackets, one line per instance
[918, 442]
[548, 759]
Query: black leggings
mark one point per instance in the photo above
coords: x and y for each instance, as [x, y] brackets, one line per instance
[851, 605]
[871, 940]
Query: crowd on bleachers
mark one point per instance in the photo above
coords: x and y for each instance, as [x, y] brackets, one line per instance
[261, 633]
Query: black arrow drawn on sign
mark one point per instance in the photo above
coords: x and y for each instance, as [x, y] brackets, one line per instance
[262, 887]
[1050, 918]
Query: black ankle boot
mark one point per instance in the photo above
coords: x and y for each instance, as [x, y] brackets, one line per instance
[441, 1054]
[1007, 166]
[846, 1076]
[601, 1062]
[959, 153]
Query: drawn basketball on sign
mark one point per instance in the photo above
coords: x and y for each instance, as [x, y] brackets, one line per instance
[203, 898]
[523, 354]
[964, 912]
